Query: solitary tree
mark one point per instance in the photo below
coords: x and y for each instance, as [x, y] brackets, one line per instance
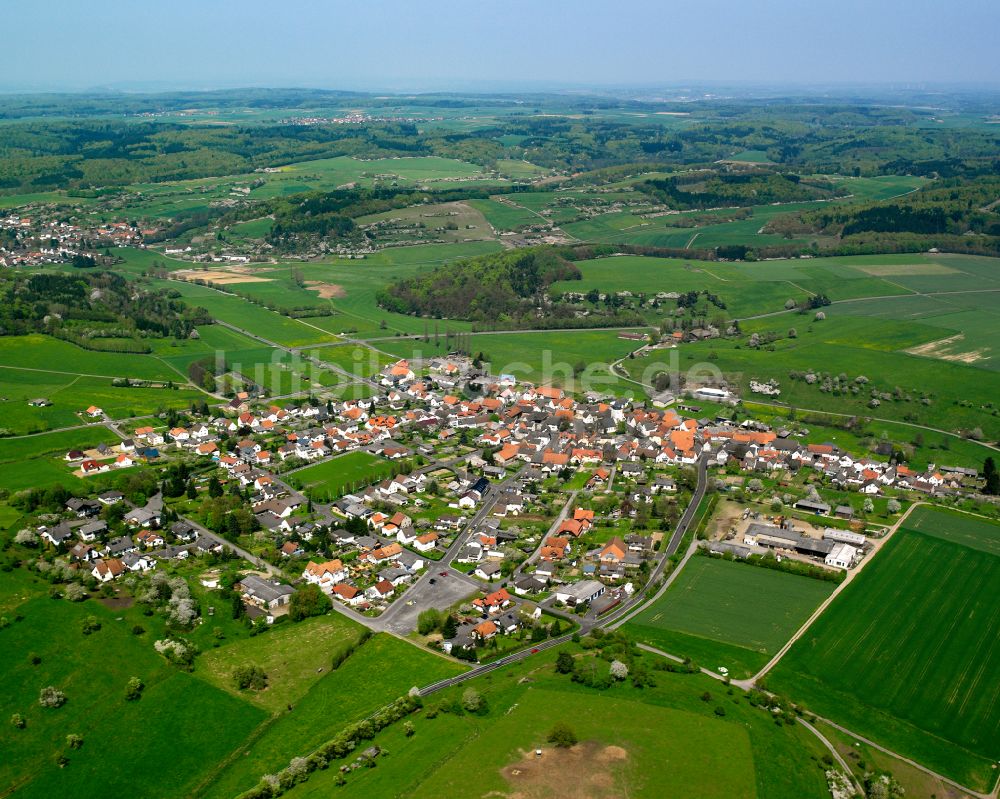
[473, 701]
[562, 735]
[133, 689]
[51, 697]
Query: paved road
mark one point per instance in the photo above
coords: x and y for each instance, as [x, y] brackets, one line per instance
[423, 588]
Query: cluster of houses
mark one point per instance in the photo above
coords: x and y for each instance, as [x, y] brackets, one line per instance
[40, 240]
[90, 544]
[380, 571]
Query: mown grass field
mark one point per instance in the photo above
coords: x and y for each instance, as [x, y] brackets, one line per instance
[909, 654]
[728, 614]
[159, 746]
[335, 476]
[381, 670]
[674, 743]
[293, 655]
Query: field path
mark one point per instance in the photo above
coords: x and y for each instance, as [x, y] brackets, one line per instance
[851, 574]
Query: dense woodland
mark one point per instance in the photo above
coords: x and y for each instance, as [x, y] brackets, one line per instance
[711, 189]
[492, 288]
[94, 309]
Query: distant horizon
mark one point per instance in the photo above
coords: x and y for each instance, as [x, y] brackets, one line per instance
[505, 87]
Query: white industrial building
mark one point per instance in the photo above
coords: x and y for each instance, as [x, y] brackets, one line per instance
[841, 556]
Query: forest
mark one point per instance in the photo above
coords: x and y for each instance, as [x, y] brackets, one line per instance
[96, 310]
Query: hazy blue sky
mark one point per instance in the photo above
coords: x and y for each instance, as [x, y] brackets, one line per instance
[409, 44]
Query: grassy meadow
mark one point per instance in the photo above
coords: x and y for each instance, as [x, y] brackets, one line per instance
[159, 746]
[694, 751]
[343, 473]
[728, 614]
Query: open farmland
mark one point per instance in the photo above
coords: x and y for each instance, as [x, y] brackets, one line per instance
[615, 723]
[909, 654]
[356, 282]
[541, 357]
[729, 614]
[942, 394]
[244, 315]
[38, 461]
[960, 528]
[70, 395]
[505, 214]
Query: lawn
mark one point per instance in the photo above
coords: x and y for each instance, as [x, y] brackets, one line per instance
[342, 473]
[729, 614]
[909, 654]
[381, 670]
[159, 746]
[293, 655]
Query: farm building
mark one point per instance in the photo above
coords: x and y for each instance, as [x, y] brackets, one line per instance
[842, 556]
[766, 535]
[844, 537]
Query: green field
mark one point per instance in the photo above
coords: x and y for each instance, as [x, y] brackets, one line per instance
[37, 351]
[381, 670]
[160, 746]
[725, 750]
[38, 461]
[342, 473]
[959, 528]
[541, 357]
[674, 743]
[909, 655]
[70, 394]
[506, 214]
[246, 316]
[729, 614]
[294, 657]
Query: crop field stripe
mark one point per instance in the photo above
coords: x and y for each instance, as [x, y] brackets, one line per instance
[917, 638]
